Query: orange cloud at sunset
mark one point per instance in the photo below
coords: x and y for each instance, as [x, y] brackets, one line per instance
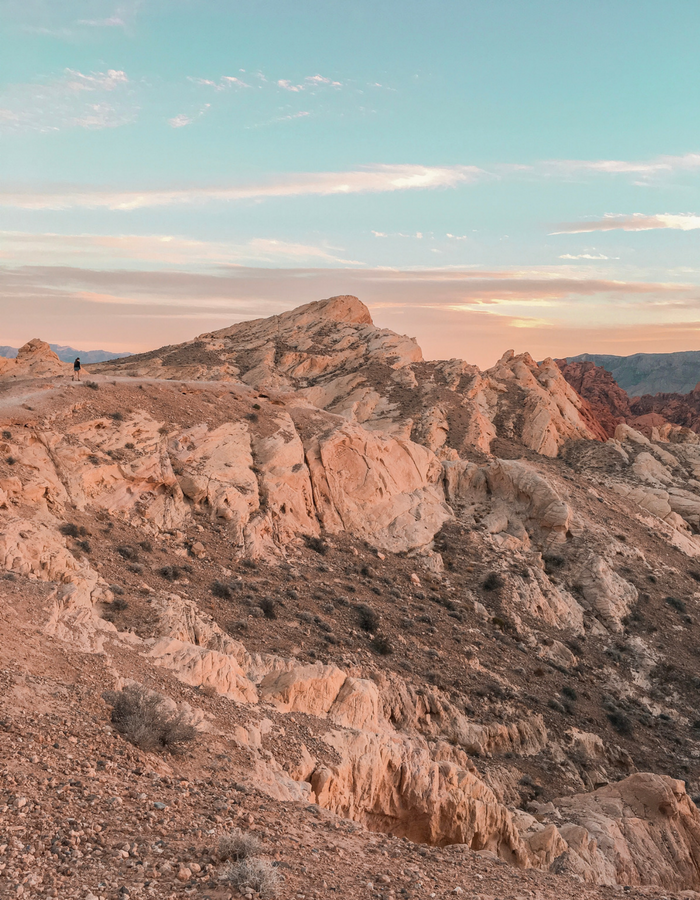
[475, 315]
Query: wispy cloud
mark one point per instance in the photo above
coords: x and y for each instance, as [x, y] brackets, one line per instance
[58, 19]
[417, 235]
[175, 251]
[634, 222]
[655, 166]
[311, 81]
[110, 22]
[586, 256]
[225, 82]
[290, 117]
[95, 81]
[182, 120]
[368, 179]
[72, 100]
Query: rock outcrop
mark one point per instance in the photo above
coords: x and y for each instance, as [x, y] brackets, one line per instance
[35, 359]
[609, 403]
[332, 354]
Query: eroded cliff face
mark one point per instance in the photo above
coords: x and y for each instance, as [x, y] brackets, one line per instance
[609, 403]
[299, 525]
[331, 353]
[665, 416]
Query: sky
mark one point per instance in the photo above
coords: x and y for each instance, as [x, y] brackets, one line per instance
[485, 174]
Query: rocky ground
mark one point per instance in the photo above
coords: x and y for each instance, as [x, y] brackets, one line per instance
[431, 632]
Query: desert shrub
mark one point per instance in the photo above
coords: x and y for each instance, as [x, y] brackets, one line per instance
[676, 603]
[127, 552]
[619, 721]
[316, 544]
[7, 435]
[68, 529]
[237, 845]
[368, 618]
[85, 546]
[116, 589]
[569, 692]
[221, 590]
[10, 460]
[256, 875]
[492, 582]
[695, 575]
[257, 406]
[93, 385]
[297, 467]
[553, 562]
[119, 604]
[383, 645]
[170, 573]
[117, 416]
[269, 607]
[142, 718]
[130, 445]
[146, 546]
[575, 646]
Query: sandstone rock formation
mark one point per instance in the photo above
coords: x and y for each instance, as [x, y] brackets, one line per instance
[332, 354]
[442, 604]
[34, 359]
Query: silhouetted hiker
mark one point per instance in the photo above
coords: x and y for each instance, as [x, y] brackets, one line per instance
[76, 369]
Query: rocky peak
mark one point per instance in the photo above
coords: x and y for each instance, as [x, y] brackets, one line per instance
[36, 349]
[331, 353]
[343, 308]
[36, 359]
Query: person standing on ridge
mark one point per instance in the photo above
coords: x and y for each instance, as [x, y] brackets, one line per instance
[76, 369]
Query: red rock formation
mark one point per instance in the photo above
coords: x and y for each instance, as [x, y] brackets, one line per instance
[679, 409]
[608, 403]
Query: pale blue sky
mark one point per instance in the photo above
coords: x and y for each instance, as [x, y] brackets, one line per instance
[541, 159]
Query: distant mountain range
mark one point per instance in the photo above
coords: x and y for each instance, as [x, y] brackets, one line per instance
[68, 354]
[650, 373]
